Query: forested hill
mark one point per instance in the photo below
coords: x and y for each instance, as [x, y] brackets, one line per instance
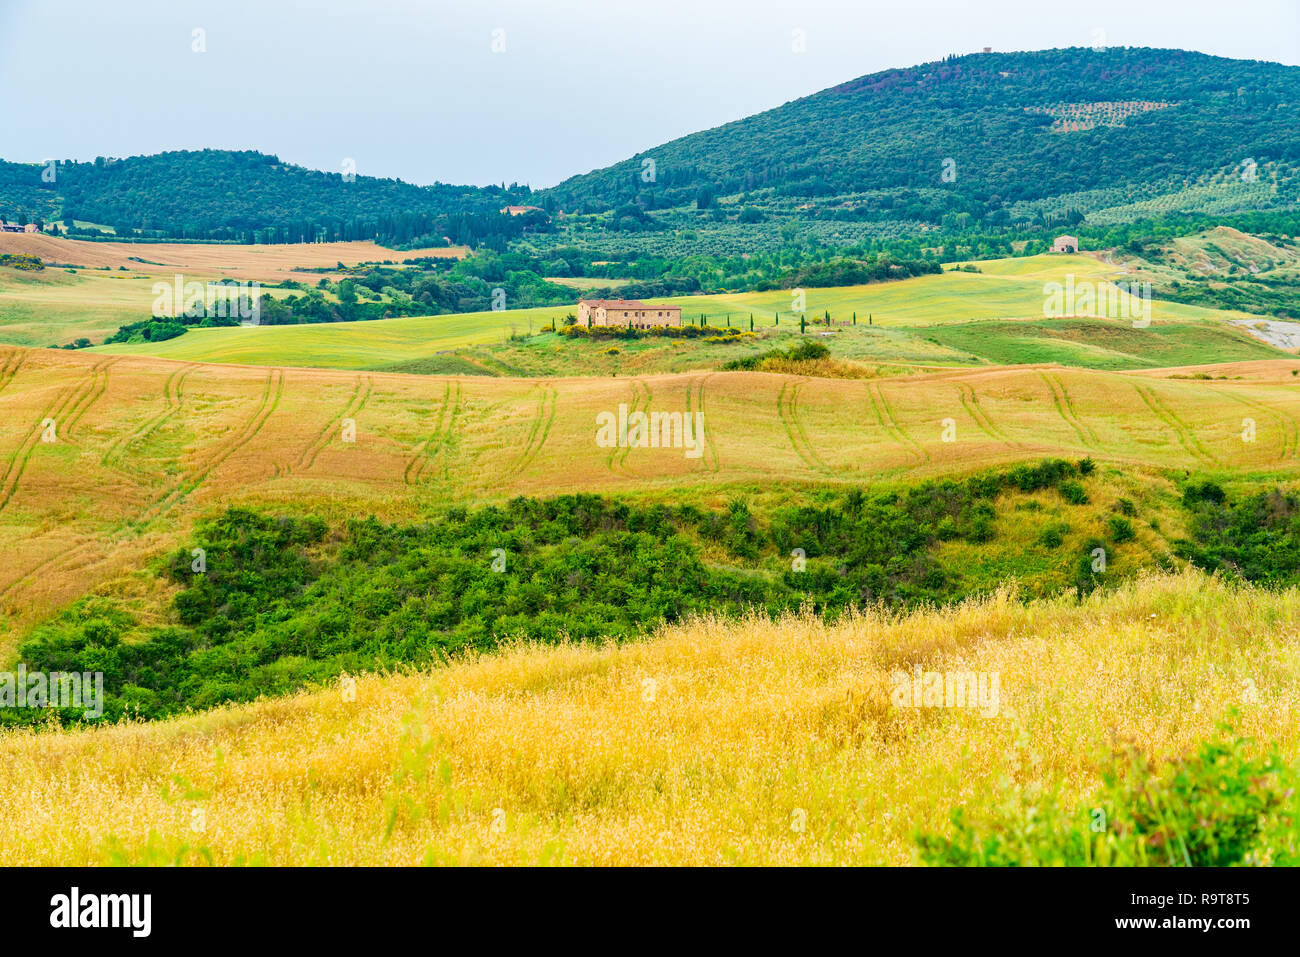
[1015, 126]
[220, 194]
[973, 142]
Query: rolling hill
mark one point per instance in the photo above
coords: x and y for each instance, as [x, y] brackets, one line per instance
[143, 446]
[998, 136]
[946, 318]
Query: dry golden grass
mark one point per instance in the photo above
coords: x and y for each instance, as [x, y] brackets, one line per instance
[707, 743]
[145, 445]
[268, 263]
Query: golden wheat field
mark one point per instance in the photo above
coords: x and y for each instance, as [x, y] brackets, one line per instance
[105, 460]
[269, 263]
[761, 742]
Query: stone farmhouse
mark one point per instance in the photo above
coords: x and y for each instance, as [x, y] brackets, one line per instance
[627, 312]
[1066, 244]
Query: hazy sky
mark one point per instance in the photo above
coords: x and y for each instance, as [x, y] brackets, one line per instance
[414, 88]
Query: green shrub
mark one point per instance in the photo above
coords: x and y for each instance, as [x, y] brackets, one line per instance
[1073, 492]
[1053, 535]
[1218, 807]
[1256, 538]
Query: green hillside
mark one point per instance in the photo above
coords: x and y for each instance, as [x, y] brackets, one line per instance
[253, 197]
[1101, 129]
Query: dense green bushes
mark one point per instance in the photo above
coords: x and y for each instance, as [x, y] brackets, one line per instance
[806, 350]
[1256, 537]
[276, 602]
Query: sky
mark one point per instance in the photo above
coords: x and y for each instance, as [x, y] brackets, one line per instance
[489, 91]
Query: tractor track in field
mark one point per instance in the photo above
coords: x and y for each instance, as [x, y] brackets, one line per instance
[1186, 438]
[640, 393]
[58, 563]
[971, 403]
[71, 560]
[271, 393]
[540, 429]
[889, 424]
[787, 409]
[1290, 431]
[70, 397]
[172, 396]
[1065, 408]
[78, 398]
[356, 402]
[98, 386]
[13, 362]
[432, 447]
[616, 461]
[709, 450]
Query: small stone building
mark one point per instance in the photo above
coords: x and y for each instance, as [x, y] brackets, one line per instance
[627, 312]
[1066, 244]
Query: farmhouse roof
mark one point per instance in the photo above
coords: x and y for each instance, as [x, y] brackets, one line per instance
[615, 303]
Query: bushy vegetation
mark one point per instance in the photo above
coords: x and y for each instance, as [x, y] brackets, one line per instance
[280, 601]
[21, 261]
[1255, 537]
[806, 350]
[1217, 807]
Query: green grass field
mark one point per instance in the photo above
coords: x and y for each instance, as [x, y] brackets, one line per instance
[58, 306]
[1100, 343]
[957, 318]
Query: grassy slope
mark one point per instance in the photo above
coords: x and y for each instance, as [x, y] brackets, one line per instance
[704, 744]
[59, 306]
[146, 445]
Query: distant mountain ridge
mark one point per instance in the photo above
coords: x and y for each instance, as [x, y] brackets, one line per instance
[981, 134]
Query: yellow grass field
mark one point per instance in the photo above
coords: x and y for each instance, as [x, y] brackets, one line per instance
[142, 446]
[267, 263]
[759, 742]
